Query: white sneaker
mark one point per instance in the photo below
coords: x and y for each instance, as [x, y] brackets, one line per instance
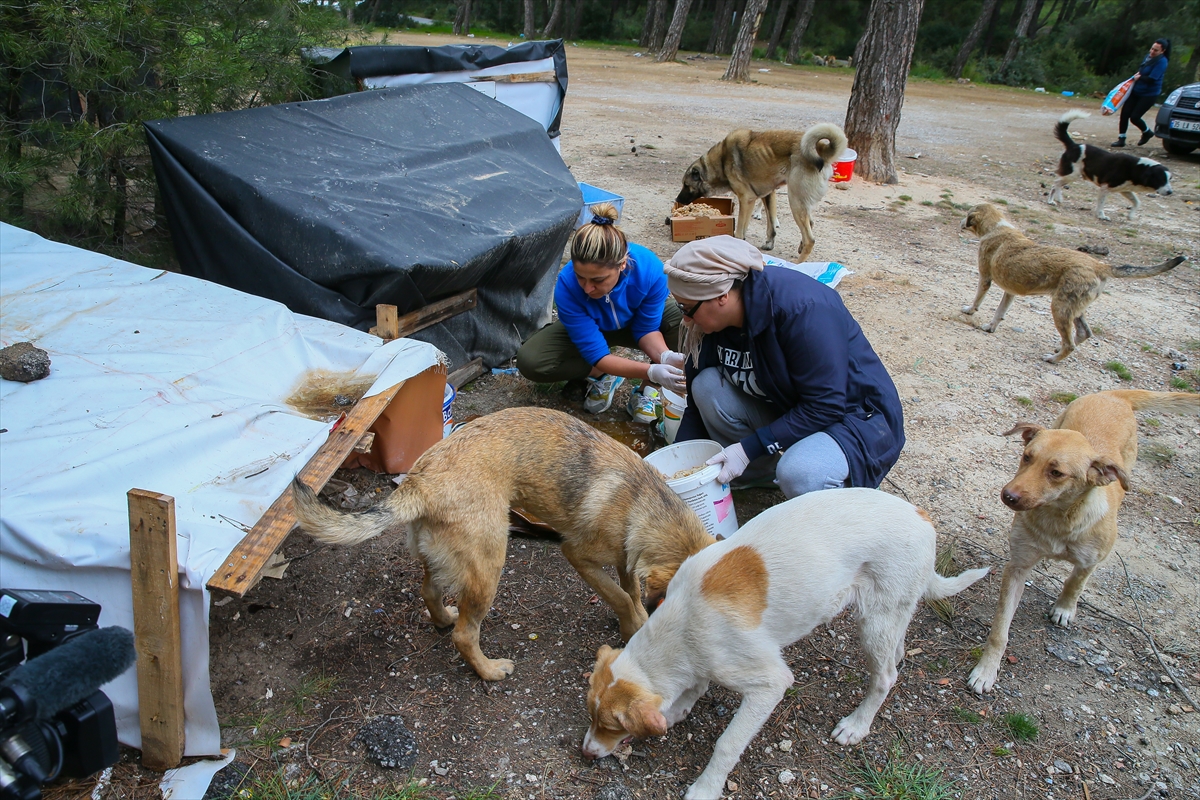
[601, 392]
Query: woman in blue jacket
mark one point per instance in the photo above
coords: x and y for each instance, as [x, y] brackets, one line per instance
[611, 293]
[1146, 89]
[780, 374]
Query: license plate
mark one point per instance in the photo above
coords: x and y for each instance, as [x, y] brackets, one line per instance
[1183, 125]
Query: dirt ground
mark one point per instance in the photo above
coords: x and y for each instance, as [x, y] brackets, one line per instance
[301, 664]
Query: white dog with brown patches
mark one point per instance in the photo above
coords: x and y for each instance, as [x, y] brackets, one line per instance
[732, 607]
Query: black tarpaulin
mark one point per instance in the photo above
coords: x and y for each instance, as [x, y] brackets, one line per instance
[400, 196]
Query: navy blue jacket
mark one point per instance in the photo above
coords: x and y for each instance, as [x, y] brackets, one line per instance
[1152, 71]
[812, 360]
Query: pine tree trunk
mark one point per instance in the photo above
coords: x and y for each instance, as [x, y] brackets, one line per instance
[964, 53]
[644, 39]
[777, 28]
[1035, 24]
[660, 25]
[725, 32]
[803, 17]
[882, 60]
[720, 14]
[555, 16]
[990, 31]
[674, 36]
[743, 48]
[529, 31]
[1022, 28]
[576, 20]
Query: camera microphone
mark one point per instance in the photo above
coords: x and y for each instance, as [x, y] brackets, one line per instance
[54, 681]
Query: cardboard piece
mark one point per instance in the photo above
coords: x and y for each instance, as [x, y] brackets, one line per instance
[687, 229]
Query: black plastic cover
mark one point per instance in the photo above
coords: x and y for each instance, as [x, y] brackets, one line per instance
[340, 71]
[401, 196]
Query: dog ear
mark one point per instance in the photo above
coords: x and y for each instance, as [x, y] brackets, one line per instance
[1104, 471]
[656, 586]
[1027, 430]
[644, 718]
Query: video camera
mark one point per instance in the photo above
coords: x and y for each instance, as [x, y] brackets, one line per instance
[54, 720]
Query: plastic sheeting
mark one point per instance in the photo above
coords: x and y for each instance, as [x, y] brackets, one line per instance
[383, 66]
[160, 382]
[400, 196]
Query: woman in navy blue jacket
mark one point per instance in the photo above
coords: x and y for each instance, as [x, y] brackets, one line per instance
[1146, 89]
[610, 293]
[780, 374]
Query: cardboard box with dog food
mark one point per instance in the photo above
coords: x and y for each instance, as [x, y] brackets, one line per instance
[689, 227]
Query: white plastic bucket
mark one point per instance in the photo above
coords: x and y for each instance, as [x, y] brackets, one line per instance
[448, 410]
[712, 501]
[673, 407]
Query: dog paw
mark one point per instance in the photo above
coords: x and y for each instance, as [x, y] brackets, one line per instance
[496, 669]
[987, 328]
[768, 245]
[982, 678]
[850, 731]
[704, 789]
[1062, 616]
[446, 619]
[1103, 217]
[1053, 358]
[969, 310]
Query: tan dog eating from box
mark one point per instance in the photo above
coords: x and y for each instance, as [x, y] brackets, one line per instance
[610, 507]
[1066, 494]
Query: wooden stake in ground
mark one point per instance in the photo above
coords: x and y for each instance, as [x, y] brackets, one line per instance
[154, 573]
[881, 62]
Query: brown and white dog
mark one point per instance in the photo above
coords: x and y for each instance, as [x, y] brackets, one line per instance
[1066, 494]
[610, 507]
[1021, 266]
[1112, 172]
[732, 608]
[753, 164]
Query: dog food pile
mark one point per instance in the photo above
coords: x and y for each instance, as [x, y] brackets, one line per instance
[696, 210]
[683, 473]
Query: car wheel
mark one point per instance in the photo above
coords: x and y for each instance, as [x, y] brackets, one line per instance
[1178, 149]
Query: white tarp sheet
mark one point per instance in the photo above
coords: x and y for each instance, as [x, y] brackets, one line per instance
[158, 382]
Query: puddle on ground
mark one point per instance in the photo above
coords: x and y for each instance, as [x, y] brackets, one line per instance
[323, 394]
[634, 435]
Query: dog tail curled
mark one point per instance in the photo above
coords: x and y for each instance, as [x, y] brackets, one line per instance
[1132, 271]
[940, 586]
[1060, 129]
[823, 144]
[331, 526]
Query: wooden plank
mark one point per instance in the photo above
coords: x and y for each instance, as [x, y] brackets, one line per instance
[520, 77]
[154, 569]
[436, 312]
[243, 568]
[386, 322]
[466, 373]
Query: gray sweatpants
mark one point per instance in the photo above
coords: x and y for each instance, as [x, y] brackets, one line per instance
[813, 463]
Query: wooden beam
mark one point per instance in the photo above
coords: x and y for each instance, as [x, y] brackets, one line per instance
[154, 572]
[466, 373]
[386, 326]
[520, 77]
[244, 566]
[436, 312]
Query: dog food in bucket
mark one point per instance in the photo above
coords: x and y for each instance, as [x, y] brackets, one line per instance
[683, 467]
[448, 410]
[844, 170]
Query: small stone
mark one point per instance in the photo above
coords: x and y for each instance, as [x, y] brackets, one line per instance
[1152, 692]
[1063, 767]
[1106, 779]
[1165, 679]
[786, 745]
[24, 362]
[786, 777]
[1175, 709]
[342, 400]
[731, 786]
[1105, 669]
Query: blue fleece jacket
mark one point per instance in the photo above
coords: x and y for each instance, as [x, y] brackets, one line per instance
[812, 360]
[636, 302]
[1152, 71]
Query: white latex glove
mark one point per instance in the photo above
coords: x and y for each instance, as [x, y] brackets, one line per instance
[733, 462]
[672, 358]
[668, 376]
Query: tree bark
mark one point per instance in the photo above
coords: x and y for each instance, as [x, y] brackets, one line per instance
[644, 39]
[964, 53]
[660, 25]
[721, 12]
[743, 48]
[576, 20]
[882, 60]
[1022, 28]
[777, 28]
[725, 31]
[552, 23]
[670, 47]
[530, 31]
[803, 17]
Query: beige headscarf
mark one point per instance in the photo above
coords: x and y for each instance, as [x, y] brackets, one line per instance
[705, 269]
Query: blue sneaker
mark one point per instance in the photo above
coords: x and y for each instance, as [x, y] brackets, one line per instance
[645, 406]
[601, 392]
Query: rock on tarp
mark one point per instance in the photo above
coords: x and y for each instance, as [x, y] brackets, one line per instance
[400, 196]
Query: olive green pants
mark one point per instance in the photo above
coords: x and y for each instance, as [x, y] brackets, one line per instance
[550, 356]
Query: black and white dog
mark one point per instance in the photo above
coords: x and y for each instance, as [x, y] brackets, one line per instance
[1110, 171]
